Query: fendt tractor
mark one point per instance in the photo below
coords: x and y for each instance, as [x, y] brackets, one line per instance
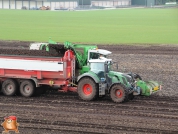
[92, 76]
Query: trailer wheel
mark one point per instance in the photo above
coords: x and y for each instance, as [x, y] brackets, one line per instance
[87, 89]
[27, 88]
[119, 94]
[9, 87]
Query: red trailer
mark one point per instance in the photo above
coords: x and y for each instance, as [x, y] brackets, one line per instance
[28, 72]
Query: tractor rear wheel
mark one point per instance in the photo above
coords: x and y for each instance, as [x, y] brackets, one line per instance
[9, 87]
[27, 88]
[119, 93]
[87, 89]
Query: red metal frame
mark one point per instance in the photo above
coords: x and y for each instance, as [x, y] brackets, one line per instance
[60, 78]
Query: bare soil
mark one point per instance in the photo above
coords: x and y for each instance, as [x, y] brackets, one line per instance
[64, 113]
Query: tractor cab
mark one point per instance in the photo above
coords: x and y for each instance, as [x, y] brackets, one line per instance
[102, 67]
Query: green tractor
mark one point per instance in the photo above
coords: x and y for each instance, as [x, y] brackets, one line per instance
[99, 80]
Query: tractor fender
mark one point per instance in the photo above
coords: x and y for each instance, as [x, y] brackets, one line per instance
[91, 75]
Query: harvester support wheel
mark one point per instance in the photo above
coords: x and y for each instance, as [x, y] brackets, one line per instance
[27, 88]
[87, 89]
[131, 96]
[40, 90]
[119, 93]
[9, 87]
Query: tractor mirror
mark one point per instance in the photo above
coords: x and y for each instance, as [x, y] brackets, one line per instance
[106, 67]
[117, 66]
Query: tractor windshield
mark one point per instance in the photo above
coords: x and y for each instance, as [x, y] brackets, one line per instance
[97, 66]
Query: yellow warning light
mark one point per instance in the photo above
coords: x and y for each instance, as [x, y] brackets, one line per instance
[156, 88]
[69, 74]
[51, 82]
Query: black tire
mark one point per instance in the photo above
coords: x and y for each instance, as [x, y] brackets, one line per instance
[40, 90]
[27, 88]
[44, 89]
[119, 93]
[9, 87]
[87, 89]
[131, 96]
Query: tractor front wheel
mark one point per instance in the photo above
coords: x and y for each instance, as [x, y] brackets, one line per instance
[87, 89]
[118, 93]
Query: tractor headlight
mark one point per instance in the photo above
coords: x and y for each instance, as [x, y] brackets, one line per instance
[102, 79]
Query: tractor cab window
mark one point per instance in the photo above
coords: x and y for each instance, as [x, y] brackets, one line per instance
[97, 67]
[94, 55]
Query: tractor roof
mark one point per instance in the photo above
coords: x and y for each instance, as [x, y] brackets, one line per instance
[100, 60]
[100, 51]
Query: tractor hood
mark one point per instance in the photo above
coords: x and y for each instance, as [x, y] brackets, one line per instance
[128, 77]
[125, 78]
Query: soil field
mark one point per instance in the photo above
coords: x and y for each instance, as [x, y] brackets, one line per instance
[64, 113]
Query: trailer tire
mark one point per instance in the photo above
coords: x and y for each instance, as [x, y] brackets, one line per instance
[9, 87]
[119, 93]
[87, 89]
[27, 88]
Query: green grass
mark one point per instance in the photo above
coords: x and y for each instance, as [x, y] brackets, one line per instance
[141, 26]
